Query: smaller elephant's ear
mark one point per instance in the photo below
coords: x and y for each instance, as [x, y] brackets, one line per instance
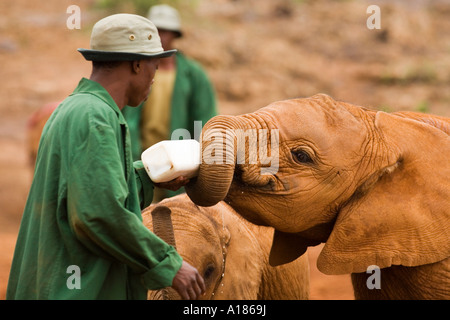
[403, 217]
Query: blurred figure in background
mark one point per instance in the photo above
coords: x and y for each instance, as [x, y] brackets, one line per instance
[181, 94]
[35, 124]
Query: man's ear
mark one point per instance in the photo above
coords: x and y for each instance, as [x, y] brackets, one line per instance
[136, 66]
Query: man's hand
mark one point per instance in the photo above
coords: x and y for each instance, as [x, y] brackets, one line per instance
[174, 184]
[188, 282]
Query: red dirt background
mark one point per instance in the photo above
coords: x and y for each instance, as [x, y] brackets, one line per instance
[255, 52]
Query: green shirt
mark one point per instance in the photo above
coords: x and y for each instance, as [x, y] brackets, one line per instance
[84, 210]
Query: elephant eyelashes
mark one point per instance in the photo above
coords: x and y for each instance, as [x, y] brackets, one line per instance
[301, 156]
[209, 271]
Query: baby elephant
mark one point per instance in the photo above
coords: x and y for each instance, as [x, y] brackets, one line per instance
[229, 252]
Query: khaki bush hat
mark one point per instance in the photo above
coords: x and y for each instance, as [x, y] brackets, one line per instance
[124, 37]
[165, 17]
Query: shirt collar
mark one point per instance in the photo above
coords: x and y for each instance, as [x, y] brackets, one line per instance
[92, 87]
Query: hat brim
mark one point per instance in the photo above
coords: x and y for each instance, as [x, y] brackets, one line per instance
[98, 55]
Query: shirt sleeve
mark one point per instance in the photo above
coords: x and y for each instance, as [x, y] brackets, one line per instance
[97, 209]
[144, 184]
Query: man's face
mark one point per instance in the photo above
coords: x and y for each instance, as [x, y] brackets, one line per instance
[143, 81]
[167, 38]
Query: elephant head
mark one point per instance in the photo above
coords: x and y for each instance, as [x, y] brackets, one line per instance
[373, 186]
[230, 253]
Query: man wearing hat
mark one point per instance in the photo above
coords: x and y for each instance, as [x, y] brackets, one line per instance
[182, 94]
[81, 235]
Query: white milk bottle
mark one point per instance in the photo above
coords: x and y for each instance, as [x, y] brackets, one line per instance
[170, 159]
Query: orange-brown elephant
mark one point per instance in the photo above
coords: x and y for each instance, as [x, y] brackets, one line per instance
[230, 253]
[374, 187]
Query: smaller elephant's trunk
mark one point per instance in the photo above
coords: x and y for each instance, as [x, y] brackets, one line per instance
[163, 228]
[162, 224]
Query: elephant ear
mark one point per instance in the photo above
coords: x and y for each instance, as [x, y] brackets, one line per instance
[403, 218]
[286, 247]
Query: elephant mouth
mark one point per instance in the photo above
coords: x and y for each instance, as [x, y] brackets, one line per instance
[249, 177]
[248, 182]
[237, 199]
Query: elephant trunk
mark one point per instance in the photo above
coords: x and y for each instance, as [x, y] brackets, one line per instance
[163, 228]
[218, 143]
[162, 224]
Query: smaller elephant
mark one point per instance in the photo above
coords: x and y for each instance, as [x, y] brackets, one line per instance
[230, 253]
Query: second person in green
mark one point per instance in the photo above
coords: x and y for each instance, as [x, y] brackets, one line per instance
[181, 98]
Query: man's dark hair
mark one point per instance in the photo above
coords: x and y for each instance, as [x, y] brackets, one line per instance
[105, 64]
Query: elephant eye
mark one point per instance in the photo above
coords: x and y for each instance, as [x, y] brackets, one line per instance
[208, 271]
[301, 156]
